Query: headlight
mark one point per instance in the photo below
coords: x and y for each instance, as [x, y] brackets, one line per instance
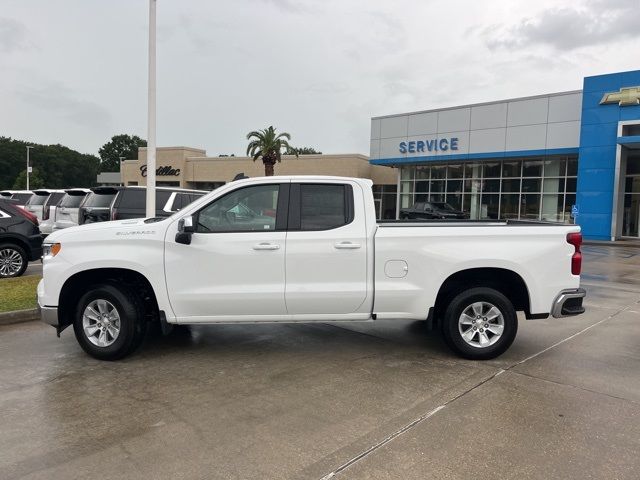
[50, 250]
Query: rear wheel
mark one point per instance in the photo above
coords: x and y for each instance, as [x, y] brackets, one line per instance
[480, 323]
[109, 323]
[13, 260]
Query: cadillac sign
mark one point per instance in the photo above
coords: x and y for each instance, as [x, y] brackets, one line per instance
[162, 171]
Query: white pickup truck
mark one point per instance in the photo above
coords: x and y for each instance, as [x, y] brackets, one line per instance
[305, 249]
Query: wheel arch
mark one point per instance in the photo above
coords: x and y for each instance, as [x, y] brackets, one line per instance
[506, 281]
[76, 285]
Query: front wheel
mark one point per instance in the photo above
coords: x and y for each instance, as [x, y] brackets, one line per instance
[13, 260]
[109, 322]
[480, 323]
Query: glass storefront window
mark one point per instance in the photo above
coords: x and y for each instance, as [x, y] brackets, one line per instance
[512, 168]
[511, 185]
[555, 168]
[472, 170]
[552, 207]
[509, 205]
[422, 173]
[491, 186]
[490, 206]
[437, 186]
[530, 184]
[422, 187]
[455, 171]
[532, 168]
[439, 172]
[454, 186]
[530, 206]
[553, 185]
[491, 170]
[528, 188]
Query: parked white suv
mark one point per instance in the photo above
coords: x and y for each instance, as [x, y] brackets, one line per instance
[306, 249]
[66, 214]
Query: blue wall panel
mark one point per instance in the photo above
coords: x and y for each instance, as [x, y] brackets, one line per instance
[597, 157]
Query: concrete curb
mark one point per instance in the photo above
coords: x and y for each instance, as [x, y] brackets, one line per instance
[19, 316]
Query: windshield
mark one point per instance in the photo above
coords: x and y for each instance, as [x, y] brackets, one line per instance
[72, 201]
[98, 200]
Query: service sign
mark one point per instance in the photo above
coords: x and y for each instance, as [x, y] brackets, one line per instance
[430, 145]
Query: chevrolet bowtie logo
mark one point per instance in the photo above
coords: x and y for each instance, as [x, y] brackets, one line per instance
[626, 96]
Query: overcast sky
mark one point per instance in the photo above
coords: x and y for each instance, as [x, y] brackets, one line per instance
[75, 71]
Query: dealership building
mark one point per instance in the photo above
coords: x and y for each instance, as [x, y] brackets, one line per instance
[188, 167]
[562, 157]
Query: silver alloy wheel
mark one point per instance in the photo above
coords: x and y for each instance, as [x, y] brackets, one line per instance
[10, 262]
[101, 322]
[481, 324]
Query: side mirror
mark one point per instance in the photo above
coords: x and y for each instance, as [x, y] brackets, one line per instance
[185, 225]
[185, 230]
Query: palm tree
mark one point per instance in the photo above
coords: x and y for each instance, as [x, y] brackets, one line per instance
[266, 144]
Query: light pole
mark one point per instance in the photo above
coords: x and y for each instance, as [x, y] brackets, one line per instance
[29, 147]
[151, 119]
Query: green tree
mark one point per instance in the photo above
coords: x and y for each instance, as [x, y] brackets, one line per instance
[57, 165]
[35, 180]
[302, 151]
[268, 145]
[125, 146]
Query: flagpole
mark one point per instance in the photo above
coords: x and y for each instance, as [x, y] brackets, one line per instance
[151, 119]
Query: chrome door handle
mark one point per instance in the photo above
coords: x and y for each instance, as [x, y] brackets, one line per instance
[346, 246]
[266, 246]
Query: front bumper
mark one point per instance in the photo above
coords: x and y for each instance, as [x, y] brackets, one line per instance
[568, 303]
[48, 315]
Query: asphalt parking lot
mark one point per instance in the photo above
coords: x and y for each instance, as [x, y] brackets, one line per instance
[378, 400]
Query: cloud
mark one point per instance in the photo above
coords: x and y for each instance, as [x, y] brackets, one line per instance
[58, 99]
[595, 22]
[13, 36]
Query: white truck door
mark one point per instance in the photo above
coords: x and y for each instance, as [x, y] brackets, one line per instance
[326, 260]
[234, 266]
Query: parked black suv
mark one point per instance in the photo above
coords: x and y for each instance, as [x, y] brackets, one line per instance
[121, 203]
[431, 210]
[20, 239]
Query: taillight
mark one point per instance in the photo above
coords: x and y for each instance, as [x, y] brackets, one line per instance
[27, 214]
[45, 212]
[114, 214]
[575, 239]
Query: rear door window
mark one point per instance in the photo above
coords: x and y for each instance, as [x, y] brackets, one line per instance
[323, 206]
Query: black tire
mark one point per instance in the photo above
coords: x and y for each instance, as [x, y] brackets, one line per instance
[132, 323]
[453, 331]
[8, 250]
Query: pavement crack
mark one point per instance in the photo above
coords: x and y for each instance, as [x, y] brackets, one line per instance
[406, 428]
[434, 411]
[635, 402]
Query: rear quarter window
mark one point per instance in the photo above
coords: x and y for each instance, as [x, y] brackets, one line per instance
[55, 198]
[71, 201]
[37, 199]
[97, 200]
[22, 198]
